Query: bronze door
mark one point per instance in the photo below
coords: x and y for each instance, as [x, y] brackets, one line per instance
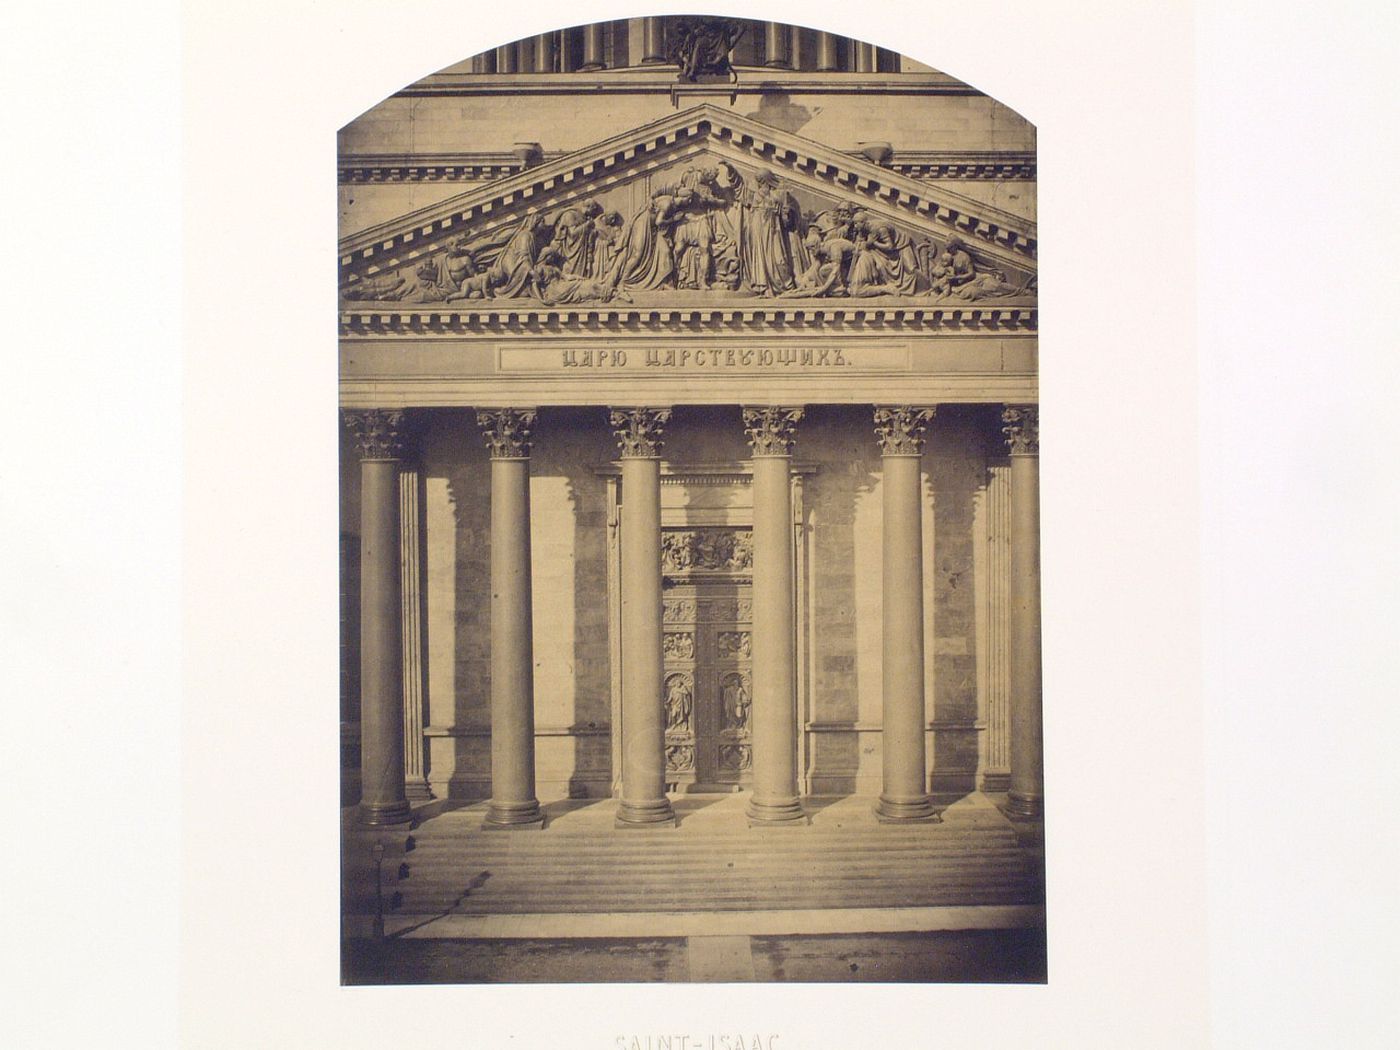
[708, 682]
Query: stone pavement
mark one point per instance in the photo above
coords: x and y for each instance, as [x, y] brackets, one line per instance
[1010, 956]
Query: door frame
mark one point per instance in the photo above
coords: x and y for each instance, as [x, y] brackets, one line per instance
[676, 512]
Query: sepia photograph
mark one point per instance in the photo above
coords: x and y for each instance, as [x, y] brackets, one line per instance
[689, 516]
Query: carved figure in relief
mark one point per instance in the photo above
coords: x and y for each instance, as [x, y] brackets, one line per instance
[679, 704]
[723, 550]
[736, 703]
[647, 255]
[679, 646]
[884, 262]
[554, 286]
[422, 285]
[509, 276]
[771, 250]
[573, 238]
[701, 46]
[735, 643]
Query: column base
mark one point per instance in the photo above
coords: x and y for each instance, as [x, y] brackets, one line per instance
[507, 816]
[783, 813]
[656, 813]
[1024, 807]
[906, 810]
[376, 814]
[418, 790]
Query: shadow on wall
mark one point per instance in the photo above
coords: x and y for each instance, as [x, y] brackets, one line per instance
[574, 443]
[842, 440]
[956, 469]
[777, 110]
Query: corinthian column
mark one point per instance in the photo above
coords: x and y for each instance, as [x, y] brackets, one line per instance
[1022, 430]
[905, 794]
[513, 803]
[644, 802]
[774, 712]
[378, 434]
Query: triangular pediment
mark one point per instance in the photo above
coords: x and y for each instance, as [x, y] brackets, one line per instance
[704, 203]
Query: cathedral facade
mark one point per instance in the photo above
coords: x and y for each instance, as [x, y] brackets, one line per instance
[688, 372]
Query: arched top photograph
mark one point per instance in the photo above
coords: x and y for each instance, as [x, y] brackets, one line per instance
[689, 491]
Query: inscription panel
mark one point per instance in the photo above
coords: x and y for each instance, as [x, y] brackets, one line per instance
[702, 360]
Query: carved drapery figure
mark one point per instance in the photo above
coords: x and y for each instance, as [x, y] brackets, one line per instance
[701, 46]
[674, 226]
[680, 704]
[736, 701]
[771, 251]
[884, 262]
[554, 285]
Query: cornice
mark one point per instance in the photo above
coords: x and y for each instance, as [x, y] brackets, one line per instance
[661, 80]
[869, 316]
[492, 207]
[966, 165]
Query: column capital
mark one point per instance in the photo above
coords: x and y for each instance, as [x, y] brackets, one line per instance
[639, 430]
[771, 430]
[379, 432]
[507, 431]
[1022, 429]
[900, 429]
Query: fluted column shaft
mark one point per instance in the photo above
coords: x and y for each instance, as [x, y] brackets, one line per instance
[382, 799]
[903, 720]
[1027, 791]
[644, 802]
[777, 45]
[505, 59]
[513, 802]
[653, 52]
[592, 46]
[774, 712]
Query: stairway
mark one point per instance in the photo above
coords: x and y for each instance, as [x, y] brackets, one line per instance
[713, 861]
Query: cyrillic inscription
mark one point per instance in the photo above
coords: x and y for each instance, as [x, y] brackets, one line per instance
[704, 359]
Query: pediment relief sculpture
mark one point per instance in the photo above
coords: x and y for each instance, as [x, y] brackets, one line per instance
[713, 229]
[704, 228]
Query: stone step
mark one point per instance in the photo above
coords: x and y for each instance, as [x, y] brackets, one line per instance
[811, 867]
[654, 841]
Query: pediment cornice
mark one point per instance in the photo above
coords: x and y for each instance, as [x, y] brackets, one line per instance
[488, 210]
[764, 317]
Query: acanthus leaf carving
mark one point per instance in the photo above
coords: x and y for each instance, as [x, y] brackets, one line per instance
[378, 432]
[507, 431]
[1022, 429]
[639, 430]
[900, 429]
[771, 431]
